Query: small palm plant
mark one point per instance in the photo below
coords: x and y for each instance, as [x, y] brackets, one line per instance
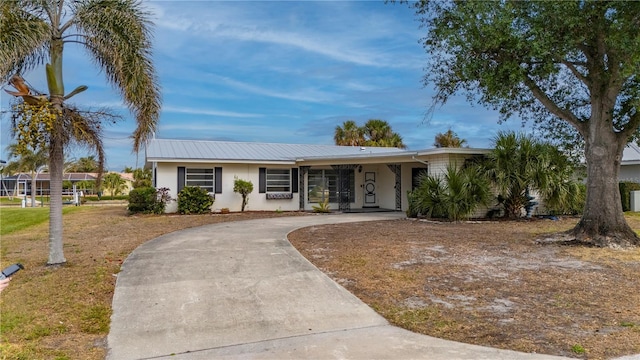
[454, 196]
[322, 207]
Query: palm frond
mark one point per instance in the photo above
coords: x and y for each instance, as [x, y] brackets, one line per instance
[24, 35]
[118, 35]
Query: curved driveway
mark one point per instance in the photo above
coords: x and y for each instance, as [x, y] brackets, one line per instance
[239, 290]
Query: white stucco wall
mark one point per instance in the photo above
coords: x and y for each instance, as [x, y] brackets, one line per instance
[166, 175]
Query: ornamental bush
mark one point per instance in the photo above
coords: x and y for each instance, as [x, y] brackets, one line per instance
[244, 188]
[454, 195]
[148, 200]
[194, 200]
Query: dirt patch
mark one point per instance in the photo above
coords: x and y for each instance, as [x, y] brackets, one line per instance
[64, 312]
[488, 283]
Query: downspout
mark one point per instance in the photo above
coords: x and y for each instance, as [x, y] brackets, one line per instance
[426, 163]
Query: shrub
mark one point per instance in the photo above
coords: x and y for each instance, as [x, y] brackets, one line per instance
[626, 188]
[194, 200]
[322, 207]
[571, 200]
[454, 196]
[244, 188]
[148, 200]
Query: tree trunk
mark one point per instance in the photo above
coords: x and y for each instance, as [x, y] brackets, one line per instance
[56, 160]
[603, 223]
[33, 189]
[56, 154]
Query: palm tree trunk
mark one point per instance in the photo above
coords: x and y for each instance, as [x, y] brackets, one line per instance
[33, 189]
[56, 159]
[56, 155]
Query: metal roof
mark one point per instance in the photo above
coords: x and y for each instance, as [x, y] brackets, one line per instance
[173, 150]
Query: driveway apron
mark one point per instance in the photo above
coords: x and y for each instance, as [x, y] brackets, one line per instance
[239, 290]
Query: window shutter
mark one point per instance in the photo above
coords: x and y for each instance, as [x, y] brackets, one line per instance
[294, 180]
[218, 179]
[262, 180]
[181, 178]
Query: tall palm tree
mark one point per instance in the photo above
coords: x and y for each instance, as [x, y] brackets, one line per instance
[379, 133]
[349, 134]
[28, 160]
[116, 34]
[448, 139]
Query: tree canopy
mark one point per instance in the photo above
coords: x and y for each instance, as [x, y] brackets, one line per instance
[374, 132]
[557, 63]
[448, 139]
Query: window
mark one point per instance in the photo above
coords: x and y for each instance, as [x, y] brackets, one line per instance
[278, 180]
[323, 184]
[200, 177]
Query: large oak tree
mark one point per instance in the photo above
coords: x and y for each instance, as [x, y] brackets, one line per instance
[553, 62]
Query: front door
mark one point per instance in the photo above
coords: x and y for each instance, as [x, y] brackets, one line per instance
[370, 197]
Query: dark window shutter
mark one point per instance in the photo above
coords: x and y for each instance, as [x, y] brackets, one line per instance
[294, 180]
[155, 177]
[181, 178]
[218, 179]
[262, 180]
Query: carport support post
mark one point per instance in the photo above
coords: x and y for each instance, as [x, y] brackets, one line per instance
[396, 169]
[301, 189]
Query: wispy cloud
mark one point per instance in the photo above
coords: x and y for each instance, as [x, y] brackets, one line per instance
[339, 31]
[305, 94]
[208, 112]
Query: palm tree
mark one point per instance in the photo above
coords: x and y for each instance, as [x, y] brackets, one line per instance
[519, 164]
[28, 160]
[379, 133]
[85, 164]
[114, 183]
[449, 139]
[142, 178]
[116, 33]
[349, 134]
[454, 195]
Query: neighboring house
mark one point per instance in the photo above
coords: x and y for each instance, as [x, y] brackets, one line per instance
[20, 184]
[296, 176]
[630, 164]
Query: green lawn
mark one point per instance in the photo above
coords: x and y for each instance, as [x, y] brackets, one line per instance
[14, 219]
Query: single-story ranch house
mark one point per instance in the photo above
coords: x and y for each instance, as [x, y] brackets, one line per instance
[291, 177]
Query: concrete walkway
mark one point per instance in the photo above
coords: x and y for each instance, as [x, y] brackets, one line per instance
[240, 291]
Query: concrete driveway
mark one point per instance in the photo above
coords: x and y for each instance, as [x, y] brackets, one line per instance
[239, 290]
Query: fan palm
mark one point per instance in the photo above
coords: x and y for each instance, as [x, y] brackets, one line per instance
[449, 139]
[455, 195]
[379, 133]
[519, 163]
[116, 34]
[349, 134]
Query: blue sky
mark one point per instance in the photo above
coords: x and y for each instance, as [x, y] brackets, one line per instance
[278, 71]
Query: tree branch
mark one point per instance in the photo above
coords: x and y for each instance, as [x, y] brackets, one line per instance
[575, 72]
[552, 106]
